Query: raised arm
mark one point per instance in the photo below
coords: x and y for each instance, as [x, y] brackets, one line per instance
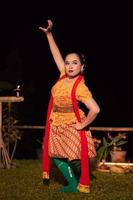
[53, 46]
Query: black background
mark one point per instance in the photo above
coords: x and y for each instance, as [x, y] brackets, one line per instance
[103, 31]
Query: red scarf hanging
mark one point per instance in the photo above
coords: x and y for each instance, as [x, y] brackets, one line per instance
[84, 178]
[46, 162]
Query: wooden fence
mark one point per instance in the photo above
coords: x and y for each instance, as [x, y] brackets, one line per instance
[97, 129]
[103, 129]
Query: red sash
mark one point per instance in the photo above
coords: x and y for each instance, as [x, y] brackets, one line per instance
[84, 178]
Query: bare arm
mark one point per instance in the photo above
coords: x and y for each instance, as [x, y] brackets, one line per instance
[53, 46]
[92, 114]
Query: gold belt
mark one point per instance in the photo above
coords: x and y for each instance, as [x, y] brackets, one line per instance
[63, 109]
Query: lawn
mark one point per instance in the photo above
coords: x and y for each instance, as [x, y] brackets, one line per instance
[24, 183]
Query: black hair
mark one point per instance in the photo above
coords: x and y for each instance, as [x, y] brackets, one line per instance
[81, 56]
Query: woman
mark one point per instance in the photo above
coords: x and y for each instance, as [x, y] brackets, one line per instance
[66, 139]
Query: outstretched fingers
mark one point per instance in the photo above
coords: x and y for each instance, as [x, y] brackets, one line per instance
[49, 27]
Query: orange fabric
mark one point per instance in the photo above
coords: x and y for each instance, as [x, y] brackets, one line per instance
[61, 93]
[65, 142]
[84, 179]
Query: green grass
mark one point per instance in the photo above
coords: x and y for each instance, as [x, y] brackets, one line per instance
[25, 183]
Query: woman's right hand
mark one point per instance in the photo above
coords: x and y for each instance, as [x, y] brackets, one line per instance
[49, 27]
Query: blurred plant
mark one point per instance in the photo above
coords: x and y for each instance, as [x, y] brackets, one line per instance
[96, 142]
[11, 134]
[117, 141]
[111, 143]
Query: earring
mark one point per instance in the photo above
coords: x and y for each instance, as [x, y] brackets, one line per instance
[82, 70]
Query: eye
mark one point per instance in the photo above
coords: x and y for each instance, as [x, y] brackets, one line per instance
[66, 63]
[75, 62]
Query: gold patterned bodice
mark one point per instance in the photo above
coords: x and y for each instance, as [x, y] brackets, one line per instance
[61, 93]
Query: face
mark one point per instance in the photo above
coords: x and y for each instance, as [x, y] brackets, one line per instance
[73, 65]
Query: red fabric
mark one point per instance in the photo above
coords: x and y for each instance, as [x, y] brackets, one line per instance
[84, 178]
[45, 163]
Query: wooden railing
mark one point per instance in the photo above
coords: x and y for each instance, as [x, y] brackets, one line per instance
[103, 129]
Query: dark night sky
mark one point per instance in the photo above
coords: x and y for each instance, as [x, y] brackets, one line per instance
[101, 30]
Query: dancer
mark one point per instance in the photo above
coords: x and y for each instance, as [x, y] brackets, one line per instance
[67, 138]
